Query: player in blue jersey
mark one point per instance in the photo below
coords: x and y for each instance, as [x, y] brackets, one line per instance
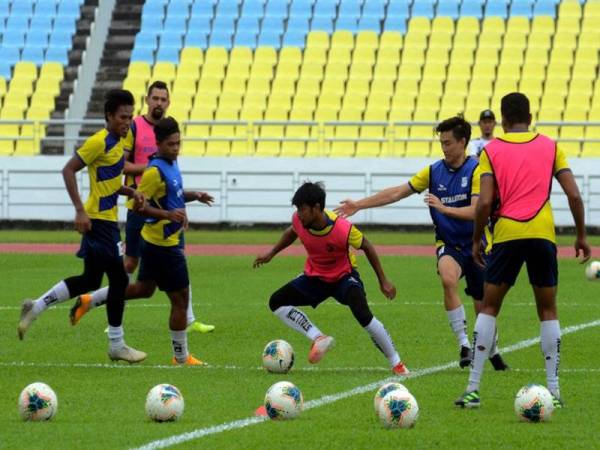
[453, 184]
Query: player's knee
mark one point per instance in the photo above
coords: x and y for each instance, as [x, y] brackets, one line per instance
[357, 302]
[130, 264]
[277, 300]
[449, 281]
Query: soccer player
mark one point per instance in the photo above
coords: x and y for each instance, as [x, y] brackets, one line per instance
[330, 271]
[516, 174]
[453, 184]
[487, 123]
[101, 247]
[142, 148]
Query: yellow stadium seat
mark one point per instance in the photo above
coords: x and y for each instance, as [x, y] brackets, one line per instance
[592, 149]
[569, 8]
[21, 85]
[267, 55]
[542, 24]
[191, 55]
[55, 71]
[315, 55]
[348, 134]
[290, 54]
[342, 39]
[192, 147]
[339, 56]
[319, 39]
[163, 71]
[25, 70]
[7, 147]
[272, 147]
[312, 70]
[280, 100]
[363, 71]
[442, 24]
[216, 55]
[364, 56]
[241, 54]
[367, 39]
[388, 56]
[415, 41]
[419, 25]
[300, 131]
[391, 40]
[548, 114]
[48, 85]
[467, 25]
[493, 25]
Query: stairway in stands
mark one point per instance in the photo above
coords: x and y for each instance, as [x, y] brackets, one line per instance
[62, 101]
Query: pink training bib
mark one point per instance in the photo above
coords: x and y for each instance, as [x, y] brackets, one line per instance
[144, 144]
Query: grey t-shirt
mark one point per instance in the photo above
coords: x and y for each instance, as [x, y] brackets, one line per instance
[476, 146]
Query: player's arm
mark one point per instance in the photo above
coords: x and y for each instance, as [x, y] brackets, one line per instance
[569, 186]
[483, 211]
[202, 197]
[462, 213]
[133, 169]
[287, 238]
[387, 288]
[74, 165]
[350, 207]
[148, 187]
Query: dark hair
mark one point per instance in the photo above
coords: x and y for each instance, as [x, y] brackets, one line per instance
[310, 194]
[515, 108]
[116, 98]
[165, 128]
[458, 125]
[158, 85]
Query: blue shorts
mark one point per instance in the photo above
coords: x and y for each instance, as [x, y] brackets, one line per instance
[102, 242]
[474, 275]
[166, 266]
[317, 290]
[133, 234]
[507, 258]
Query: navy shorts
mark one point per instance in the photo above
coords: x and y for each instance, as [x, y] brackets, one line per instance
[474, 275]
[507, 258]
[102, 242]
[133, 234]
[317, 290]
[166, 266]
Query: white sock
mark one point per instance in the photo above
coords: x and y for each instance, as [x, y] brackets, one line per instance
[179, 341]
[550, 337]
[99, 297]
[115, 337]
[296, 319]
[57, 294]
[483, 338]
[458, 323]
[494, 348]
[190, 310]
[383, 341]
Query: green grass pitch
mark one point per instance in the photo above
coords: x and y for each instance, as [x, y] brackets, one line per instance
[101, 405]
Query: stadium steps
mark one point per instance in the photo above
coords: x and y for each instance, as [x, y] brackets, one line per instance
[115, 58]
[84, 24]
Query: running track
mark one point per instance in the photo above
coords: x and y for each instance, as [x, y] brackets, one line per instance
[237, 250]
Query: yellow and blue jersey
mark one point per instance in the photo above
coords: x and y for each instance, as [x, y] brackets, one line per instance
[103, 155]
[163, 186]
[542, 225]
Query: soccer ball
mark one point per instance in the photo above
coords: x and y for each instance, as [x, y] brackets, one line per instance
[284, 401]
[383, 390]
[592, 271]
[278, 356]
[37, 402]
[164, 403]
[398, 409]
[534, 403]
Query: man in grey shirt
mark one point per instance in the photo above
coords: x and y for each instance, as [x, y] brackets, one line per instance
[487, 122]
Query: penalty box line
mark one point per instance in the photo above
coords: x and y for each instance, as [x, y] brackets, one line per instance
[327, 399]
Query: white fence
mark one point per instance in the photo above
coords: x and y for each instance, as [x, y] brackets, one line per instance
[259, 190]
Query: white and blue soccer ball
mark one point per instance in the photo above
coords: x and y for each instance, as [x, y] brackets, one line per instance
[384, 390]
[278, 356]
[534, 403]
[164, 403]
[284, 401]
[592, 271]
[37, 402]
[398, 409]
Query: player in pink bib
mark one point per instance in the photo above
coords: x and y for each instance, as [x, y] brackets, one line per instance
[329, 271]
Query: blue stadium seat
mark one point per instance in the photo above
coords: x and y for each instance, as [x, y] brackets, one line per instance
[521, 9]
[42, 23]
[471, 8]
[22, 8]
[321, 23]
[60, 55]
[295, 38]
[229, 9]
[224, 23]
[276, 8]
[252, 8]
[301, 8]
[65, 24]
[17, 23]
[349, 8]
[269, 39]
[68, 9]
[45, 8]
[398, 8]
[5, 69]
[151, 22]
[545, 8]
[61, 39]
[273, 23]
[245, 38]
[178, 9]
[346, 23]
[172, 39]
[10, 55]
[496, 8]
[220, 39]
[324, 8]
[36, 38]
[298, 23]
[195, 39]
[448, 8]
[369, 23]
[33, 54]
[249, 24]
[168, 54]
[4, 9]
[422, 8]
[13, 39]
[175, 23]
[374, 8]
[202, 9]
[395, 23]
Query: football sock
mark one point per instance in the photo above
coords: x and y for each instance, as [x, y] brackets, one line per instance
[57, 294]
[179, 341]
[382, 340]
[296, 319]
[115, 337]
[190, 310]
[458, 323]
[550, 337]
[483, 337]
[494, 347]
[99, 297]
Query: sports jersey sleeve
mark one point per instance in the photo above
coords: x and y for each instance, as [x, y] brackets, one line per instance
[150, 183]
[420, 181]
[355, 238]
[91, 150]
[128, 141]
[485, 168]
[560, 163]
[476, 182]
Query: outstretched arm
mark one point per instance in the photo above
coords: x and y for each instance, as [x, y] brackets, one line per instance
[462, 213]
[569, 186]
[202, 197]
[350, 207]
[287, 238]
[82, 221]
[387, 288]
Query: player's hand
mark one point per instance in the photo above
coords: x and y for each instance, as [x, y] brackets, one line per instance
[478, 254]
[434, 202]
[178, 215]
[139, 200]
[262, 259]
[388, 289]
[347, 208]
[582, 246]
[205, 198]
[83, 224]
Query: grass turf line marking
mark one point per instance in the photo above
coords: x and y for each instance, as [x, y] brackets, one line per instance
[326, 399]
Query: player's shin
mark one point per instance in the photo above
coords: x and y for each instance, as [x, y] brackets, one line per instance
[483, 338]
[550, 337]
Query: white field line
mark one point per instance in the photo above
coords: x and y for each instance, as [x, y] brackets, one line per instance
[327, 399]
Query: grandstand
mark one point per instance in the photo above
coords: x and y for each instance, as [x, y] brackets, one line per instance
[336, 78]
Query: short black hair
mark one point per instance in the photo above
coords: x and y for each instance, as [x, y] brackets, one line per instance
[158, 85]
[515, 108]
[458, 125]
[310, 194]
[116, 98]
[165, 128]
